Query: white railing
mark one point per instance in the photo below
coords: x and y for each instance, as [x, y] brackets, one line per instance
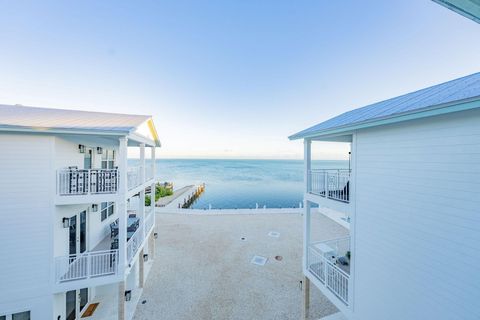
[133, 177]
[86, 265]
[134, 243]
[149, 221]
[148, 172]
[324, 264]
[87, 181]
[332, 183]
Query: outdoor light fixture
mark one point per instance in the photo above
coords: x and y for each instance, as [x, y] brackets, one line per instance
[81, 148]
[99, 150]
[94, 207]
[145, 257]
[66, 222]
[155, 235]
[128, 295]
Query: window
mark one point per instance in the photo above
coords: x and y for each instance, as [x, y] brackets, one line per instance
[21, 316]
[108, 159]
[106, 210]
[3, 317]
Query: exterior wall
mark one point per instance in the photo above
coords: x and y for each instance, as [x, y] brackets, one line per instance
[26, 193]
[417, 219]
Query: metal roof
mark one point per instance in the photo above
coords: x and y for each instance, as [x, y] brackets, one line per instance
[23, 118]
[441, 95]
[467, 8]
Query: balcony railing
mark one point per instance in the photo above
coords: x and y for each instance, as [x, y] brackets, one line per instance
[329, 262]
[133, 177]
[86, 265]
[137, 239]
[331, 183]
[87, 181]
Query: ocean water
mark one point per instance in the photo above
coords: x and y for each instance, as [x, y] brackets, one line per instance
[234, 184]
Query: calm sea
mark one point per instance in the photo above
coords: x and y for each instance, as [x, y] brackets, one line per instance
[242, 183]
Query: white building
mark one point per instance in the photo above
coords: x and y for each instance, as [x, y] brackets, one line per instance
[413, 199]
[74, 228]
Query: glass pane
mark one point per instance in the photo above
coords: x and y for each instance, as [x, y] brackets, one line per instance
[104, 205]
[72, 235]
[111, 164]
[104, 164]
[21, 316]
[83, 298]
[70, 310]
[104, 214]
[3, 317]
[83, 231]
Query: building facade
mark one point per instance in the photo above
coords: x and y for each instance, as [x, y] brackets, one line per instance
[411, 198]
[75, 226]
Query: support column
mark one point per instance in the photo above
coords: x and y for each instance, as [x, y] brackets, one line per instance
[121, 300]
[141, 269]
[306, 297]
[141, 211]
[307, 158]
[152, 247]
[142, 162]
[153, 161]
[121, 207]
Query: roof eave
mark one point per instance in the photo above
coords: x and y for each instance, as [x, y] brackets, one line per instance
[455, 106]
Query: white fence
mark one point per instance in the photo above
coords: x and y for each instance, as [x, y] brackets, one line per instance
[325, 267]
[330, 183]
[87, 181]
[86, 265]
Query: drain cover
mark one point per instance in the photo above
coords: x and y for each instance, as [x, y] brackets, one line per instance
[278, 258]
[274, 234]
[144, 301]
[243, 238]
[259, 260]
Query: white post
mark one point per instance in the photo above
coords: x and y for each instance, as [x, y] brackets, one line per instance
[142, 162]
[141, 210]
[306, 232]
[121, 206]
[307, 158]
[121, 300]
[153, 162]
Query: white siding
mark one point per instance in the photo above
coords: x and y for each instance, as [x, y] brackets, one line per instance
[26, 194]
[417, 225]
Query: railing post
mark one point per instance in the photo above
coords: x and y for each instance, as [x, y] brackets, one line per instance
[121, 205]
[325, 183]
[307, 158]
[142, 163]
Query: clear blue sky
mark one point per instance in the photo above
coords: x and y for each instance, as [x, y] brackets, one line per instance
[228, 78]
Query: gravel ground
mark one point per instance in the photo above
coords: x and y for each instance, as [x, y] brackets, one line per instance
[202, 268]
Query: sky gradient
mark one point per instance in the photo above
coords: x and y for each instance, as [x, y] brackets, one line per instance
[229, 79]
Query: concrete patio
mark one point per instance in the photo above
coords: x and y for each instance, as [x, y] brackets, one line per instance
[202, 268]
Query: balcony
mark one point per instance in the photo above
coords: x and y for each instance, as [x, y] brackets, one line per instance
[329, 262]
[87, 265]
[330, 183]
[137, 239]
[87, 182]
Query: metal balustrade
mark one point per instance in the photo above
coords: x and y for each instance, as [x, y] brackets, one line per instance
[331, 183]
[325, 267]
[87, 181]
[86, 265]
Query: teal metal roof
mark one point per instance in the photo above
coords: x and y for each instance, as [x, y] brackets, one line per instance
[467, 8]
[439, 96]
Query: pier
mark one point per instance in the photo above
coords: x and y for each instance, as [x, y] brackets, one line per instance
[192, 197]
